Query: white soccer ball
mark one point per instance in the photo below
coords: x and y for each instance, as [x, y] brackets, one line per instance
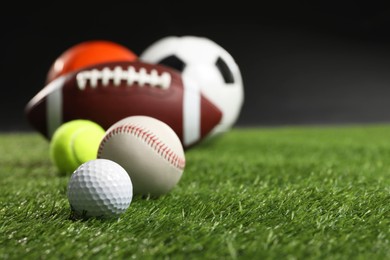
[149, 150]
[210, 66]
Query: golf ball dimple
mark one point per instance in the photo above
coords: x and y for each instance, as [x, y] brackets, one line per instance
[100, 188]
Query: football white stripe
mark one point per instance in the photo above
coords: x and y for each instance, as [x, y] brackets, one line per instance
[191, 112]
[54, 105]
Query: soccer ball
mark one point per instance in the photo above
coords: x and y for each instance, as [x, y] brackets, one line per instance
[210, 65]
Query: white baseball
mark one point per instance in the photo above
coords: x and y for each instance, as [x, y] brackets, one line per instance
[149, 150]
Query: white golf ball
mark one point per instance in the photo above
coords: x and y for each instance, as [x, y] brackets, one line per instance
[100, 188]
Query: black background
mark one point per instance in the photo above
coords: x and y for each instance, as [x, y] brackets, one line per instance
[302, 63]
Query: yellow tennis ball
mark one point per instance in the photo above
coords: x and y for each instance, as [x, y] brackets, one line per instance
[74, 143]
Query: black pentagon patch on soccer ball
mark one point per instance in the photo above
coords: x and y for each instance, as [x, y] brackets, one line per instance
[173, 62]
[225, 71]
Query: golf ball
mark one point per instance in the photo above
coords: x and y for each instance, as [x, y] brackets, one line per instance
[99, 188]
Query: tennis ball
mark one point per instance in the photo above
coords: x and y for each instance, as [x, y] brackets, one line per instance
[74, 143]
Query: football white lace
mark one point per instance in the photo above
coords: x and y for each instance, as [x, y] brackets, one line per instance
[119, 74]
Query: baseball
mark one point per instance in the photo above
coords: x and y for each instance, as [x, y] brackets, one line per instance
[149, 150]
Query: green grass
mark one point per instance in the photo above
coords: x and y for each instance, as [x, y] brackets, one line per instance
[260, 193]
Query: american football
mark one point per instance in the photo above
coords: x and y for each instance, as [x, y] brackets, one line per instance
[108, 92]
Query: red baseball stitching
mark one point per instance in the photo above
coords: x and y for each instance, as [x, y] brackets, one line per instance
[150, 140]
